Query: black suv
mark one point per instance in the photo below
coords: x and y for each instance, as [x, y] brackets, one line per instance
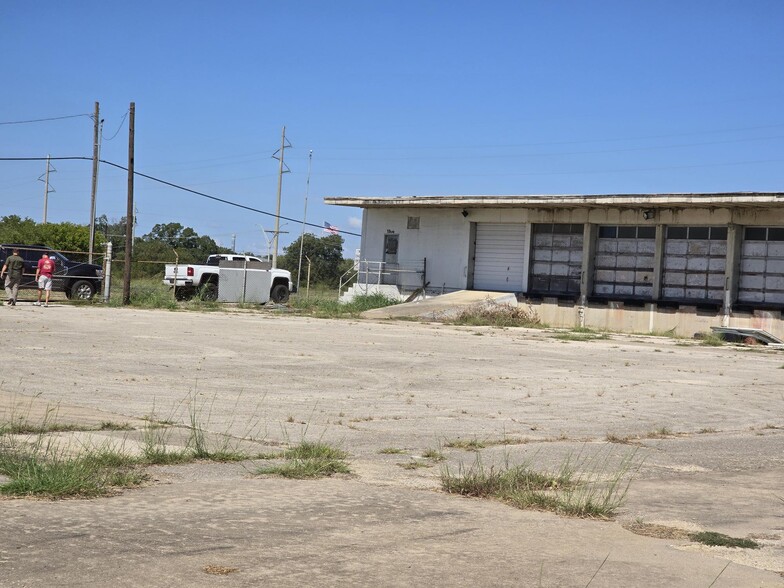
[76, 279]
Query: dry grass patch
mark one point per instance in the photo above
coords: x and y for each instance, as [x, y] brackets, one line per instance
[491, 314]
[657, 531]
[659, 433]
[583, 486]
[219, 570]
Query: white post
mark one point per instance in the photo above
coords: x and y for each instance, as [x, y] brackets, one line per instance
[107, 277]
[304, 216]
[307, 292]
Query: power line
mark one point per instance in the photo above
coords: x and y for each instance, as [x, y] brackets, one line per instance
[43, 158]
[578, 142]
[555, 173]
[119, 127]
[177, 186]
[555, 154]
[216, 199]
[35, 120]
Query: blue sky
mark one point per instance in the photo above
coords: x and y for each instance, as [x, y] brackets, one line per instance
[393, 98]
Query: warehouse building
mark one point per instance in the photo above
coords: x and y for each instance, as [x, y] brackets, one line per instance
[629, 262]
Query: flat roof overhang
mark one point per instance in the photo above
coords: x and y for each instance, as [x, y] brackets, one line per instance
[715, 200]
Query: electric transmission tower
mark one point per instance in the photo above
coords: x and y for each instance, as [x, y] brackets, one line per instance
[44, 177]
[284, 144]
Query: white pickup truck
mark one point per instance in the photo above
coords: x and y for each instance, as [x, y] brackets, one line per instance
[193, 279]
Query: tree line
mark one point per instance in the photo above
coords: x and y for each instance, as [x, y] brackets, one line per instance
[152, 250]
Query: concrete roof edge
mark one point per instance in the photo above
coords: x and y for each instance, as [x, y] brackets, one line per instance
[538, 200]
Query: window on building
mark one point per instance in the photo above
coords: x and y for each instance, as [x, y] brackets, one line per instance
[413, 222]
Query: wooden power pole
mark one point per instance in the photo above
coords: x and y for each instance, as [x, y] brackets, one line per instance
[96, 125]
[129, 215]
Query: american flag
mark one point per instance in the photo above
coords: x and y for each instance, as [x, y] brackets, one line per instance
[328, 228]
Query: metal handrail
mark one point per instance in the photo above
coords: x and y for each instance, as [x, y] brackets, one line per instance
[378, 269]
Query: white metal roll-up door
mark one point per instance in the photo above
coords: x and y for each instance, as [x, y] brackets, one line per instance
[762, 266]
[695, 260]
[624, 261]
[499, 256]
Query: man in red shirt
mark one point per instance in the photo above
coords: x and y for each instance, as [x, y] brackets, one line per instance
[43, 274]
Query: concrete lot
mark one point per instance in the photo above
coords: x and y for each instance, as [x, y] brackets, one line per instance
[365, 386]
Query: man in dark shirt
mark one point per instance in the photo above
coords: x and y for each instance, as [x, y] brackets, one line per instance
[14, 265]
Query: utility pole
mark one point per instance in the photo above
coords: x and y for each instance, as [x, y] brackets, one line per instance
[47, 190]
[280, 186]
[304, 218]
[96, 125]
[234, 243]
[129, 215]
[274, 235]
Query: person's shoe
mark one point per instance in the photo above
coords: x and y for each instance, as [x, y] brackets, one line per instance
[46, 304]
[36, 304]
[13, 303]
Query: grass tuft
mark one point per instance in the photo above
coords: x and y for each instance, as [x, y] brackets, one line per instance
[309, 460]
[581, 487]
[45, 471]
[467, 444]
[433, 454]
[712, 340]
[391, 451]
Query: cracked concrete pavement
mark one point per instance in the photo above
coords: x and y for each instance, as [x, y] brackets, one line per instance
[707, 422]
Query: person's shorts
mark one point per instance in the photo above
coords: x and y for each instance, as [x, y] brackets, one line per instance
[44, 283]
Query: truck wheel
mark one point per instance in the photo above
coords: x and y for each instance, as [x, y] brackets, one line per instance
[209, 292]
[184, 293]
[279, 294]
[82, 290]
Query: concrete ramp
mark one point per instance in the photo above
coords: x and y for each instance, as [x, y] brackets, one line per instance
[441, 306]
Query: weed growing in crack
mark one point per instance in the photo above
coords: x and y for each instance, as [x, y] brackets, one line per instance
[583, 486]
[391, 451]
[467, 444]
[310, 460]
[433, 454]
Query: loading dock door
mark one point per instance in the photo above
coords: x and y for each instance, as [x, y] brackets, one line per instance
[499, 257]
[762, 266]
[695, 259]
